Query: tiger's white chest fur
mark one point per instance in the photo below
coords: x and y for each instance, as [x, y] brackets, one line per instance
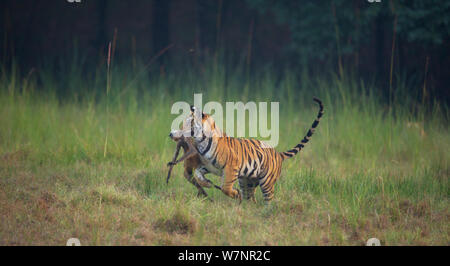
[210, 167]
[206, 158]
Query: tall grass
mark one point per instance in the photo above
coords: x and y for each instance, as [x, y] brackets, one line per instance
[369, 166]
[358, 123]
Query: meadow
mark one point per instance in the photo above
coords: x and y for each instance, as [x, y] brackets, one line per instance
[375, 167]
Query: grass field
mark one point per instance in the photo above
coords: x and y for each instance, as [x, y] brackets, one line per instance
[371, 169]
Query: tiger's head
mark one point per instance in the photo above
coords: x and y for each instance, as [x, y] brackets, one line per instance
[197, 125]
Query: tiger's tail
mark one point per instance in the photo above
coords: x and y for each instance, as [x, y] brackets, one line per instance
[296, 149]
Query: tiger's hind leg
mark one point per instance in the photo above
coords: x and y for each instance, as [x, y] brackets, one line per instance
[248, 187]
[267, 187]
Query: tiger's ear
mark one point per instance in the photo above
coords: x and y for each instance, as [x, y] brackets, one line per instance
[192, 109]
[203, 115]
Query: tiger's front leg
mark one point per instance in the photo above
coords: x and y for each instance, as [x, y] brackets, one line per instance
[201, 179]
[188, 175]
[230, 176]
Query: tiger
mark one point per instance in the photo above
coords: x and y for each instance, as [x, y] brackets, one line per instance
[194, 168]
[252, 162]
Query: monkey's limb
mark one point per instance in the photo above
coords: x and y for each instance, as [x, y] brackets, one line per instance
[186, 155]
[189, 151]
[171, 164]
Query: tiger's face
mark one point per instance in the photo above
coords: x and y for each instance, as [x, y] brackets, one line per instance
[197, 125]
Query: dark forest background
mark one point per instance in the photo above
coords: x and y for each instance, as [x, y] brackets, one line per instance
[381, 42]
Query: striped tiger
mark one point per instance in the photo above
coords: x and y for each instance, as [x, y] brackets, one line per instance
[252, 162]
